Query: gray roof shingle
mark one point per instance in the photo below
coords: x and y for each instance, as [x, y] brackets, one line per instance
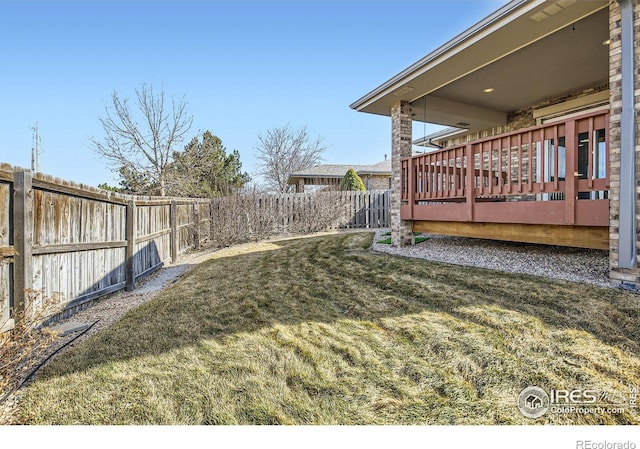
[338, 170]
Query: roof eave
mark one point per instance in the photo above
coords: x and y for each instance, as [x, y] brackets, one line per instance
[368, 172]
[441, 51]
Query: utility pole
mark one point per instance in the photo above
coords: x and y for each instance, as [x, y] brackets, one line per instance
[36, 150]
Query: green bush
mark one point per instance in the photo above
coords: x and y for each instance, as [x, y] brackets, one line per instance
[351, 181]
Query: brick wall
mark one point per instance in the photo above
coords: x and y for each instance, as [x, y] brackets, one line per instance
[401, 230]
[615, 62]
[375, 182]
[523, 118]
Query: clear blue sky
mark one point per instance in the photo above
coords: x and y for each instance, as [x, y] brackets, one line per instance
[244, 67]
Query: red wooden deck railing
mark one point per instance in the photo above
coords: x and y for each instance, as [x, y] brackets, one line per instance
[556, 173]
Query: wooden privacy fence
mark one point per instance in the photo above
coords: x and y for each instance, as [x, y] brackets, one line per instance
[331, 209]
[72, 243]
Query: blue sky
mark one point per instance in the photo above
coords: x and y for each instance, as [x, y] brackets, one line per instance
[244, 67]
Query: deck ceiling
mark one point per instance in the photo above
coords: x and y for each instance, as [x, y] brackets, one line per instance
[526, 52]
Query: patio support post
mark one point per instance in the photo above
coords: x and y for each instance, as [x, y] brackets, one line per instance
[401, 230]
[627, 243]
[624, 147]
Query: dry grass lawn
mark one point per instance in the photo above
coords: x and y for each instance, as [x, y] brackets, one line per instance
[323, 331]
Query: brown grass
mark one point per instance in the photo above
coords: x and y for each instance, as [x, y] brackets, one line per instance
[25, 339]
[322, 331]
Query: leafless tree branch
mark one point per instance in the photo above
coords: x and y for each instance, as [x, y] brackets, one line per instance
[282, 151]
[142, 143]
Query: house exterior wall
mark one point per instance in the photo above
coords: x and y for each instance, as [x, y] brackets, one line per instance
[401, 138]
[371, 182]
[523, 118]
[401, 230]
[615, 69]
[376, 182]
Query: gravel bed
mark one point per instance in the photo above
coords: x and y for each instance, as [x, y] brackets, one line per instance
[557, 262]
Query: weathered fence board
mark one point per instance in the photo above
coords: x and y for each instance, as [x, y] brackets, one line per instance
[22, 227]
[153, 239]
[77, 243]
[6, 251]
[367, 209]
[184, 226]
[77, 246]
[344, 210]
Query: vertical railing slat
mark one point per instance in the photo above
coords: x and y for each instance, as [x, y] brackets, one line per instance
[542, 160]
[499, 167]
[456, 169]
[519, 163]
[439, 174]
[556, 152]
[429, 175]
[530, 152]
[590, 148]
[481, 168]
[469, 172]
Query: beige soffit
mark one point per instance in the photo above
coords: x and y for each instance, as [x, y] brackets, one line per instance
[510, 29]
[575, 105]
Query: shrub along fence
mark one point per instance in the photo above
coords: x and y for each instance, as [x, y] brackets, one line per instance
[70, 244]
[254, 216]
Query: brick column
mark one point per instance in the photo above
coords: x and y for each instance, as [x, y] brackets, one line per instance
[617, 274]
[300, 186]
[401, 230]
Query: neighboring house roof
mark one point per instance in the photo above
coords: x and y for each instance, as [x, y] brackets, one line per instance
[381, 168]
[338, 170]
[522, 54]
[430, 140]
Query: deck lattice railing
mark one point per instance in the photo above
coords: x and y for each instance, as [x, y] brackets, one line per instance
[558, 161]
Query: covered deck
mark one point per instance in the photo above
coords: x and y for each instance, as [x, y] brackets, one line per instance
[544, 184]
[525, 97]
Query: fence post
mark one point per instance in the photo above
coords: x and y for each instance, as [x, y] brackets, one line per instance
[173, 223]
[131, 245]
[22, 238]
[196, 227]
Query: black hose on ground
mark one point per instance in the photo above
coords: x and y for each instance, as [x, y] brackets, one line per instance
[41, 364]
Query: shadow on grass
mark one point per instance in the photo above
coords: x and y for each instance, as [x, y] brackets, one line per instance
[333, 278]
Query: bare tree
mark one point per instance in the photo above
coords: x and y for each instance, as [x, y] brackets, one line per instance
[282, 151]
[143, 144]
